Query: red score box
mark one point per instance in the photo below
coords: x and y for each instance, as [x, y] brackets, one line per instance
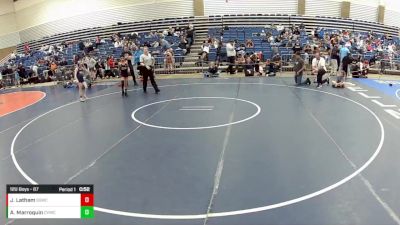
[87, 200]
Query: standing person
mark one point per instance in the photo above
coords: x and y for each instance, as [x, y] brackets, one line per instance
[128, 56]
[137, 55]
[146, 65]
[91, 62]
[16, 77]
[231, 53]
[335, 60]
[319, 68]
[79, 75]
[346, 61]
[124, 72]
[299, 67]
[343, 52]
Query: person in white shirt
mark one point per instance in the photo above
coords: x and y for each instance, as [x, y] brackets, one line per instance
[231, 53]
[117, 44]
[35, 70]
[319, 69]
[205, 48]
[146, 67]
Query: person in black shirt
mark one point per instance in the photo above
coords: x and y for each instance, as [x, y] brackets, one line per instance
[249, 67]
[190, 34]
[81, 45]
[124, 72]
[297, 47]
[347, 60]
[128, 56]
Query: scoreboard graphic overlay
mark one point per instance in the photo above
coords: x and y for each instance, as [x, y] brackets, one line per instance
[50, 201]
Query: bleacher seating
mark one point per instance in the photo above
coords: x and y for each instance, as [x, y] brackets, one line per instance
[246, 26]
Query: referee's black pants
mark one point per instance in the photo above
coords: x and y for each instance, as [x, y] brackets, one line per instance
[148, 73]
[321, 73]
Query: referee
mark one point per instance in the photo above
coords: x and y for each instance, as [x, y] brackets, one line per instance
[146, 69]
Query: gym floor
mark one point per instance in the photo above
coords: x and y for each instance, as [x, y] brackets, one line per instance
[212, 151]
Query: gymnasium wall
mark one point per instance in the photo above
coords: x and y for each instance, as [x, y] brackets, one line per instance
[39, 18]
[392, 13]
[27, 20]
[225, 7]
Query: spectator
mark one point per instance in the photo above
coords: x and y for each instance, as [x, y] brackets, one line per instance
[241, 49]
[34, 70]
[155, 44]
[13, 56]
[275, 65]
[249, 43]
[98, 41]
[171, 31]
[190, 34]
[165, 44]
[346, 61]
[53, 68]
[344, 51]
[81, 45]
[111, 62]
[212, 70]
[302, 27]
[183, 45]
[231, 53]
[169, 61]
[205, 50]
[297, 47]
[27, 48]
[137, 55]
[255, 58]
[249, 67]
[117, 44]
[240, 63]
[335, 59]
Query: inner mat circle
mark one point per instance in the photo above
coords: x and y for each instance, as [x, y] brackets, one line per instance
[176, 111]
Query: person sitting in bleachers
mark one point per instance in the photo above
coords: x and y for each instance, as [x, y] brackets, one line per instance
[183, 44]
[171, 31]
[164, 44]
[249, 43]
[297, 47]
[53, 68]
[205, 50]
[98, 41]
[241, 49]
[155, 44]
